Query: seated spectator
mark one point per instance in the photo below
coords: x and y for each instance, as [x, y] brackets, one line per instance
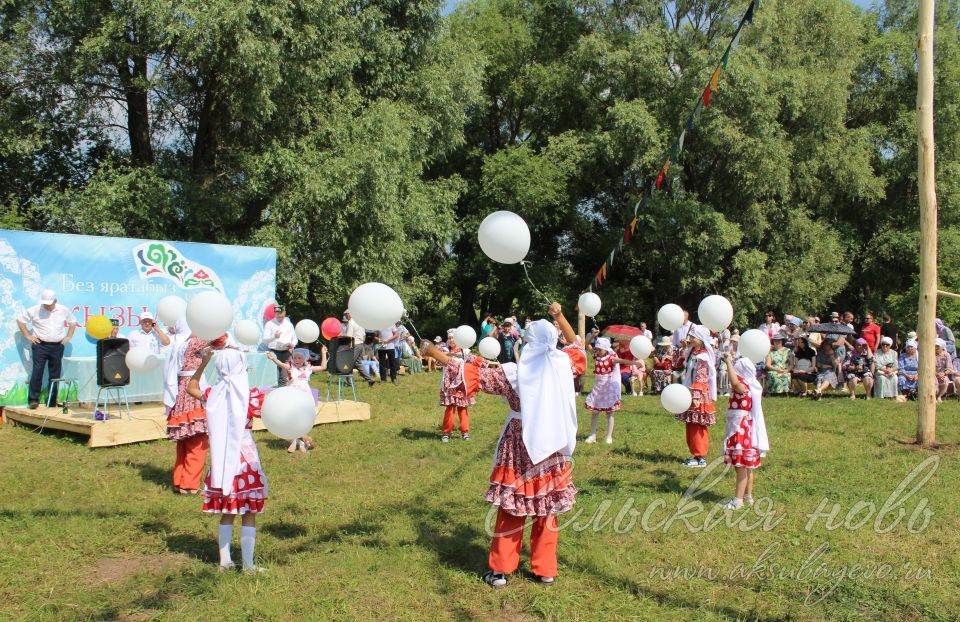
[410, 356]
[828, 369]
[944, 368]
[770, 325]
[638, 374]
[886, 366]
[778, 365]
[662, 364]
[369, 361]
[622, 350]
[859, 368]
[909, 370]
[804, 366]
[944, 332]
[428, 361]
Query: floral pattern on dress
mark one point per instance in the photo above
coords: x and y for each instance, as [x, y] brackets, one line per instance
[605, 396]
[187, 418]
[701, 411]
[777, 381]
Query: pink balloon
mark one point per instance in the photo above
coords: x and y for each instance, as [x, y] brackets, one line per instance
[330, 328]
[268, 310]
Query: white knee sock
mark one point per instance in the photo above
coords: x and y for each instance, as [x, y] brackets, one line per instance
[593, 423]
[226, 535]
[248, 539]
[610, 425]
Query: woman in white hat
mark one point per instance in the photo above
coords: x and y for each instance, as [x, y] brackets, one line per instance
[886, 367]
[662, 364]
[909, 370]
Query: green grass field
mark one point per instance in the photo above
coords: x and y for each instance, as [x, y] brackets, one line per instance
[383, 521]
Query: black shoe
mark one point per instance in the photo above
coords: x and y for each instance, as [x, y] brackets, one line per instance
[394, 381]
[34, 405]
[372, 382]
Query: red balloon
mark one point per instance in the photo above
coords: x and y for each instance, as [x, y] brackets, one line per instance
[268, 311]
[330, 328]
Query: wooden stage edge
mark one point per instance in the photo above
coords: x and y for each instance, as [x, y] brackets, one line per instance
[147, 421]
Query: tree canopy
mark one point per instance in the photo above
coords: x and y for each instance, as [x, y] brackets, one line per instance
[366, 141]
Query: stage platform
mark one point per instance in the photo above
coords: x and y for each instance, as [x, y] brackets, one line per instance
[147, 421]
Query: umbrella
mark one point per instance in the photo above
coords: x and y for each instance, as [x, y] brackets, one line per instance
[832, 328]
[621, 331]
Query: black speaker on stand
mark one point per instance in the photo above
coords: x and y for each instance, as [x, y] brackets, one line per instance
[112, 370]
[340, 356]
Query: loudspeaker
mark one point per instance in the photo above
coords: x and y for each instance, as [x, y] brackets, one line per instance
[340, 356]
[112, 370]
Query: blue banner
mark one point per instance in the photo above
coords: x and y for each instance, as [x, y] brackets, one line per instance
[120, 278]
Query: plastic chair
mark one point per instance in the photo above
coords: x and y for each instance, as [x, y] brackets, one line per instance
[341, 379]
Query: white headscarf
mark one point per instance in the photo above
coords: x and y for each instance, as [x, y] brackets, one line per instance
[547, 398]
[174, 363]
[748, 371]
[227, 417]
[703, 334]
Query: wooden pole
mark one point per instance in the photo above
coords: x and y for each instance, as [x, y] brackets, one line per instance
[927, 308]
[582, 327]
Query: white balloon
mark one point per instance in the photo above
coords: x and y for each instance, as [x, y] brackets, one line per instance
[247, 332]
[489, 348]
[676, 398]
[209, 315]
[170, 309]
[589, 304]
[375, 306]
[141, 360]
[465, 336]
[307, 331]
[641, 346]
[670, 317]
[715, 312]
[754, 344]
[504, 237]
[288, 412]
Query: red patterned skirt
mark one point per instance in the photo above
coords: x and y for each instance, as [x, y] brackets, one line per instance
[187, 417]
[703, 413]
[453, 388]
[249, 492]
[738, 447]
[522, 488]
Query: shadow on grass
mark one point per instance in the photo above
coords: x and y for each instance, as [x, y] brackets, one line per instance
[412, 434]
[284, 531]
[204, 549]
[453, 541]
[276, 443]
[646, 456]
[670, 483]
[148, 472]
[57, 513]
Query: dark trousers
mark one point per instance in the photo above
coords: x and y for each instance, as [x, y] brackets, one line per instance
[284, 357]
[357, 355]
[50, 355]
[388, 358]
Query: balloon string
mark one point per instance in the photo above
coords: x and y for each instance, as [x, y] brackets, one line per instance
[524, 264]
[414, 327]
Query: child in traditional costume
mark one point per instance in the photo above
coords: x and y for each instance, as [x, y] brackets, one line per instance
[298, 371]
[605, 396]
[453, 395]
[745, 439]
[186, 418]
[531, 472]
[235, 483]
[701, 378]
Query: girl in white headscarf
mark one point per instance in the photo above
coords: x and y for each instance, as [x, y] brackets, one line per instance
[186, 418]
[532, 469]
[745, 440]
[235, 483]
[605, 395]
[701, 378]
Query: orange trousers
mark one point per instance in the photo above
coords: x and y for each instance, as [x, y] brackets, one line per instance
[448, 418]
[191, 454]
[698, 440]
[508, 540]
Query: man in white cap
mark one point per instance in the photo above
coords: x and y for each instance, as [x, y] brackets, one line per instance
[280, 337]
[51, 327]
[148, 335]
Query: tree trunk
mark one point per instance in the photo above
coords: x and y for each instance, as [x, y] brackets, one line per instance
[134, 83]
[208, 125]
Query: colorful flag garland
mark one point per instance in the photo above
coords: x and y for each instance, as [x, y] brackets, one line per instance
[703, 102]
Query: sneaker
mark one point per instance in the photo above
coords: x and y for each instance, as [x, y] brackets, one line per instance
[395, 381]
[466, 436]
[640, 394]
[546, 580]
[695, 463]
[445, 438]
[227, 567]
[731, 504]
[372, 382]
[748, 499]
[633, 394]
[609, 441]
[495, 579]
[254, 570]
[590, 440]
[701, 462]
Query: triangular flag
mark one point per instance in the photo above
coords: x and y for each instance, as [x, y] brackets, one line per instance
[610, 261]
[633, 225]
[726, 55]
[749, 16]
[604, 269]
[715, 80]
[659, 181]
[675, 151]
[690, 123]
[636, 206]
[666, 167]
[706, 97]
[626, 235]
[680, 140]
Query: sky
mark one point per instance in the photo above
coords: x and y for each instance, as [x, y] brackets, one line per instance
[450, 5]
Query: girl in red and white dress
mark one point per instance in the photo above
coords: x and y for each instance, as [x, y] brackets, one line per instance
[298, 376]
[453, 395]
[235, 483]
[531, 474]
[605, 396]
[701, 378]
[745, 441]
[186, 418]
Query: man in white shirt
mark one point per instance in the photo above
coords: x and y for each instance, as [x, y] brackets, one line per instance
[646, 332]
[51, 327]
[280, 338]
[148, 335]
[679, 337]
[359, 336]
[389, 342]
